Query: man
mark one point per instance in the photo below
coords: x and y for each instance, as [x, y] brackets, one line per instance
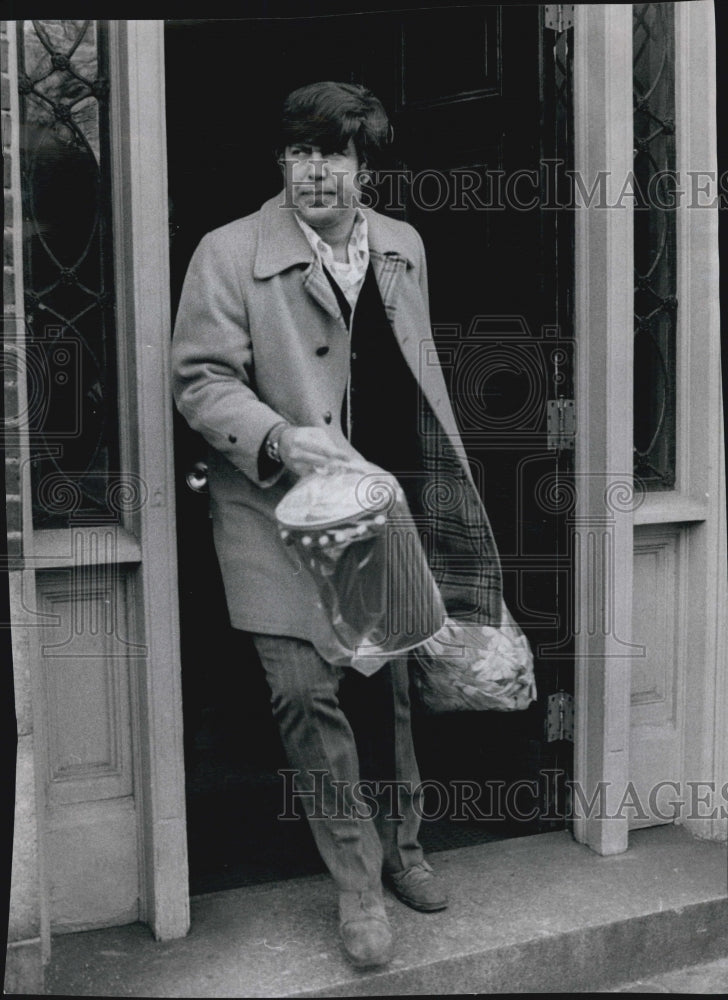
[299, 346]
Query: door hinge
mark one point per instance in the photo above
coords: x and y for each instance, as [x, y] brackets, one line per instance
[560, 424]
[560, 717]
[559, 16]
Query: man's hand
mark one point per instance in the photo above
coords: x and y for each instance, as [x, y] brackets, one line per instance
[305, 449]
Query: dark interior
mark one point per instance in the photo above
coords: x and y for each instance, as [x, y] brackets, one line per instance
[468, 89]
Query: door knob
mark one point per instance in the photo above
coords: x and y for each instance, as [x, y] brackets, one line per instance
[197, 477]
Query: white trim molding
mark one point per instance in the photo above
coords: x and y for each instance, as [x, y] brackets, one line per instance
[29, 928]
[616, 744]
[700, 449]
[141, 223]
[603, 459]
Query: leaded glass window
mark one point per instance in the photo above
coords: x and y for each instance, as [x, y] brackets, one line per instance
[68, 270]
[655, 301]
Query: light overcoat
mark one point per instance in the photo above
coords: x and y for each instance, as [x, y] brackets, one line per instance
[255, 315]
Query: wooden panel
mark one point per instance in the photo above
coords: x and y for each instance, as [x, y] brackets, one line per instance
[92, 837]
[93, 867]
[465, 63]
[84, 656]
[655, 609]
[656, 714]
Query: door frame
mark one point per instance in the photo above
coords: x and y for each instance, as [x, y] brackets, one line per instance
[603, 319]
[142, 189]
[699, 510]
[141, 254]
[603, 531]
[610, 522]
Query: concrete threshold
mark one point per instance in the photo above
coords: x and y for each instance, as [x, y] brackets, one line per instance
[536, 914]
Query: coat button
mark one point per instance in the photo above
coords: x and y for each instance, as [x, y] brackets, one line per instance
[232, 439]
[353, 355]
[320, 351]
[327, 417]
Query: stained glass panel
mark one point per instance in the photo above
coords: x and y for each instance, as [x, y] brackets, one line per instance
[655, 301]
[69, 291]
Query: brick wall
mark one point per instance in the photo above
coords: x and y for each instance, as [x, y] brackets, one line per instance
[28, 932]
[10, 323]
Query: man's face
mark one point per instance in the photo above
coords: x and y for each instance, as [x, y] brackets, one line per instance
[321, 184]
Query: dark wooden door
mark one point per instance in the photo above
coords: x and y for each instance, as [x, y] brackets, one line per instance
[474, 98]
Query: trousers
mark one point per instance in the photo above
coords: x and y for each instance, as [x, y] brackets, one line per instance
[334, 751]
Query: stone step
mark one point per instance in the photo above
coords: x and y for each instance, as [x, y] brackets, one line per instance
[704, 978]
[535, 914]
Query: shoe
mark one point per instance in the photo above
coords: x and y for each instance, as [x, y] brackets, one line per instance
[364, 928]
[418, 887]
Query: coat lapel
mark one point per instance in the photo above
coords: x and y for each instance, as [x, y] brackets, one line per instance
[387, 269]
[282, 245]
[317, 285]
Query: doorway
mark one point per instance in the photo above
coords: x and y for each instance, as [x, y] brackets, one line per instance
[479, 102]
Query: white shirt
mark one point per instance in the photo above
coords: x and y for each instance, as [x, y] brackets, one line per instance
[350, 276]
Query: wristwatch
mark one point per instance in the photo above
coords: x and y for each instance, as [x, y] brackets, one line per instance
[273, 439]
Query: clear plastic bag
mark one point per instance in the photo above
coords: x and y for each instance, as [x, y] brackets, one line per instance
[475, 667]
[353, 532]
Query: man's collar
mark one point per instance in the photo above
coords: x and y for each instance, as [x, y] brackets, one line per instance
[315, 239]
[282, 243]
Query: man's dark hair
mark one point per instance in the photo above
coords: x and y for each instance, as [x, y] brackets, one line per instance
[328, 114]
